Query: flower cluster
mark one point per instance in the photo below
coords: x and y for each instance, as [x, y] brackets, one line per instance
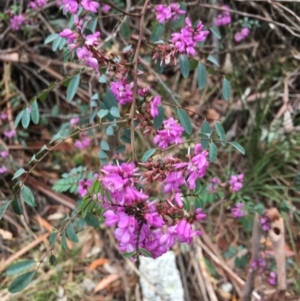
[236, 182]
[153, 225]
[36, 4]
[214, 184]
[122, 91]
[265, 223]
[241, 35]
[83, 143]
[171, 134]
[3, 156]
[224, 18]
[258, 264]
[238, 210]
[165, 13]
[186, 40]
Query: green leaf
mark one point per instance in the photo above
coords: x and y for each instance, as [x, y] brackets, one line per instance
[18, 118]
[20, 267]
[28, 196]
[102, 113]
[102, 154]
[128, 254]
[238, 147]
[157, 31]
[21, 282]
[201, 76]
[109, 130]
[17, 206]
[114, 111]
[19, 172]
[3, 208]
[51, 38]
[25, 118]
[64, 241]
[205, 128]
[193, 64]
[104, 145]
[125, 30]
[52, 260]
[184, 65]
[185, 121]
[71, 233]
[221, 133]
[35, 113]
[213, 60]
[226, 90]
[145, 252]
[91, 220]
[213, 152]
[52, 237]
[148, 154]
[72, 87]
[215, 31]
[158, 120]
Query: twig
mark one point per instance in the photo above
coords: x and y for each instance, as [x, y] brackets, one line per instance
[256, 236]
[135, 74]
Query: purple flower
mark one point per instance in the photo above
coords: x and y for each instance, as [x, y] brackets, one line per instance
[9, 134]
[3, 116]
[241, 35]
[154, 106]
[173, 181]
[70, 6]
[186, 40]
[111, 218]
[92, 39]
[122, 91]
[258, 264]
[83, 186]
[17, 21]
[3, 169]
[236, 182]
[224, 18]
[84, 54]
[165, 13]
[171, 134]
[105, 8]
[213, 185]
[90, 5]
[185, 232]
[37, 4]
[272, 278]
[265, 223]
[4, 154]
[83, 143]
[68, 34]
[238, 210]
[169, 238]
[153, 219]
[74, 120]
[200, 215]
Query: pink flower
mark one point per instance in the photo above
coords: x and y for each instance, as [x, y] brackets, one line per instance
[213, 185]
[122, 91]
[171, 134]
[272, 278]
[92, 39]
[186, 40]
[238, 210]
[258, 264]
[69, 35]
[83, 143]
[37, 4]
[236, 182]
[90, 5]
[185, 232]
[84, 54]
[3, 169]
[70, 6]
[265, 223]
[4, 154]
[154, 106]
[200, 215]
[239, 36]
[74, 120]
[153, 219]
[111, 218]
[105, 8]
[17, 21]
[165, 13]
[224, 18]
[9, 134]
[3, 116]
[83, 186]
[173, 181]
